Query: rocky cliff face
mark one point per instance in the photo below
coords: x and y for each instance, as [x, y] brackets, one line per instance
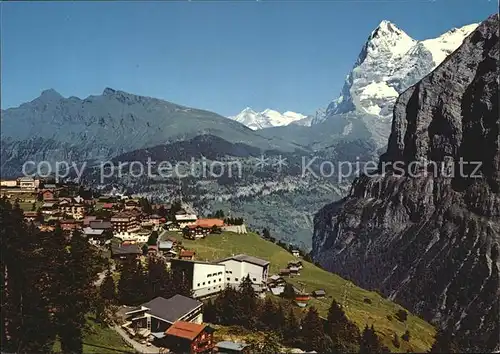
[431, 241]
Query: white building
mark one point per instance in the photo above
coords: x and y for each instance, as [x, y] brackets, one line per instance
[206, 278]
[132, 236]
[185, 220]
[241, 265]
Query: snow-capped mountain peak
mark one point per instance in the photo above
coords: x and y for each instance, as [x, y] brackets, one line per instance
[268, 118]
[389, 63]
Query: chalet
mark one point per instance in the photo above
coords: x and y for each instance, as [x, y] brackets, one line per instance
[284, 272]
[192, 338]
[294, 270]
[164, 246]
[185, 220]
[69, 224]
[277, 290]
[242, 265]
[172, 226]
[296, 253]
[28, 183]
[101, 225]
[159, 314]
[125, 252]
[152, 250]
[228, 347]
[156, 219]
[138, 236]
[131, 204]
[125, 222]
[48, 194]
[12, 183]
[77, 211]
[296, 264]
[302, 299]
[108, 206]
[49, 208]
[206, 279]
[95, 237]
[187, 255]
[30, 215]
[319, 293]
[88, 219]
[195, 231]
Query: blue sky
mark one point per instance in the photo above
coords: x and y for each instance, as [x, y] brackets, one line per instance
[217, 55]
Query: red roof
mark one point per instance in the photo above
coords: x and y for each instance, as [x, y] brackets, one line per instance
[187, 253]
[108, 205]
[186, 330]
[209, 222]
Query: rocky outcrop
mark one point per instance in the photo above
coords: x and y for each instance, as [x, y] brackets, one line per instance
[425, 230]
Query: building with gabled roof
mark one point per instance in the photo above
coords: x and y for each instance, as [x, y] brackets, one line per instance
[159, 314]
[192, 338]
[242, 265]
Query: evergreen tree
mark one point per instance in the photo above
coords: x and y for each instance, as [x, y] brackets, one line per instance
[228, 307]
[370, 342]
[248, 303]
[445, 342]
[288, 292]
[406, 336]
[291, 331]
[395, 341]
[108, 287]
[78, 291]
[267, 315]
[180, 284]
[344, 333]
[268, 345]
[153, 238]
[266, 234]
[131, 286]
[312, 330]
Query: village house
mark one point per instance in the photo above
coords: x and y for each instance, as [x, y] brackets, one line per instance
[28, 183]
[87, 219]
[125, 222]
[206, 279]
[227, 347]
[185, 220]
[77, 211]
[30, 216]
[159, 314]
[189, 338]
[319, 294]
[131, 204]
[296, 253]
[296, 264]
[242, 265]
[101, 225]
[125, 252]
[187, 255]
[48, 195]
[50, 208]
[95, 237]
[9, 183]
[138, 236]
[69, 224]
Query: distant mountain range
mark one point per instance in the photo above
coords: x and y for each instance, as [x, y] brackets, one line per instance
[388, 64]
[270, 118]
[52, 128]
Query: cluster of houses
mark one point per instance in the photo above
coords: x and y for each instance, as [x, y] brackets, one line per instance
[175, 324]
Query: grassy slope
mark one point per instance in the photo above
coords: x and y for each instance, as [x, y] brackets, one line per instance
[312, 278]
[100, 339]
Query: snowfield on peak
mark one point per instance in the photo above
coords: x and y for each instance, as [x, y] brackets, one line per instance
[389, 63]
[269, 118]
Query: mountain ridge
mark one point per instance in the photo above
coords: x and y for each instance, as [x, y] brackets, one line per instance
[432, 241]
[269, 118]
